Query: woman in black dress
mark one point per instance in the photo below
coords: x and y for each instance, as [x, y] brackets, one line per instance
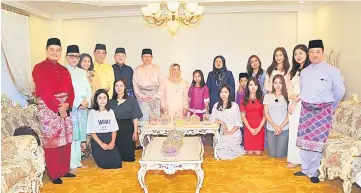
[127, 113]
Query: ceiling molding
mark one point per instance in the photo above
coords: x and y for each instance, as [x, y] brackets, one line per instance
[137, 12]
[31, 10]
[109, 3]
[99, 14]
[143, 2]
[207, 10]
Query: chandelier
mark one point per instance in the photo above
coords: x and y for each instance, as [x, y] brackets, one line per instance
[191, 14]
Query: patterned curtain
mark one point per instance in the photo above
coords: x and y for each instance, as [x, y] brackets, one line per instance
[15, 43]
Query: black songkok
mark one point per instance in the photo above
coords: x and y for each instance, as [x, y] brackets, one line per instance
[53, 41]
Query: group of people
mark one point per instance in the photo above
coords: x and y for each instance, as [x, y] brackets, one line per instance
[82, 98]
[288, 109]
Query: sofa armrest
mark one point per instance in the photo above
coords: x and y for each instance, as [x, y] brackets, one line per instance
[347, 165]
[20, 147]
[25, 147]
[356, 149]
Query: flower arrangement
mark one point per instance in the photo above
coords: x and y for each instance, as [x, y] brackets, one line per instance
[171, 146]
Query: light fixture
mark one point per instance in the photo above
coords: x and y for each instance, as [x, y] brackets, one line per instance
[188, 14]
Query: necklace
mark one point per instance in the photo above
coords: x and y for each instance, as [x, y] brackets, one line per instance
[220, 78]
[275, 97]
[218, 84]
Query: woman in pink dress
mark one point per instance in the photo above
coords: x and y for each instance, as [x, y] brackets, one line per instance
[174, 93]
[198, 95]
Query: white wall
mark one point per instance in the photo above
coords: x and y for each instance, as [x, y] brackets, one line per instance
[339, 25]
[306, 26]
[40, 30]
[236, 36]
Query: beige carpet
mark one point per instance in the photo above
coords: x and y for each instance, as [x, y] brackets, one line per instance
[247, 174]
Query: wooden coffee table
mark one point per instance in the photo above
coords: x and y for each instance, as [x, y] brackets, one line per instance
[190, 157]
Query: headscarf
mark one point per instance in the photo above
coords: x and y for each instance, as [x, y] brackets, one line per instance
[219, 74]
[170, 72]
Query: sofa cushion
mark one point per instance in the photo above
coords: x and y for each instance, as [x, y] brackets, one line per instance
[22, 159]
[347, 119]
[337, 153]
[337, 150]
[14, 117]
[15, 174]
[356, 168]
[357, 125]
[20, 147]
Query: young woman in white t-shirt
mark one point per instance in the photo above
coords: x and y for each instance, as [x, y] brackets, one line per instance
[102, 126]
[275, 111]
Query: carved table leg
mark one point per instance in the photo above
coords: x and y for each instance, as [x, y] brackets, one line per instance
[322, 170]
[215, 142]
[200, 176]
[141, 178]
[149, 138]
[33, 187]
[141, 139]
[347, 185]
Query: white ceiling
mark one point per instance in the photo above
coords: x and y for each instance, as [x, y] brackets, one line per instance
[74, 9]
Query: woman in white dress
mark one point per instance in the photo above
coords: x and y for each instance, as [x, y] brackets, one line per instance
[226, 113]
[174, 93]
[300, 61]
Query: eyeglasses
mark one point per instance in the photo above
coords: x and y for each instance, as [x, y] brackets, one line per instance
[73, 56]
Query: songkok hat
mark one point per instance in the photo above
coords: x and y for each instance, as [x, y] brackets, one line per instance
[120, 50]
[315, 44]
[147, 51]
[100, 47]
[242, 75]
[53, 41]
[72, 49]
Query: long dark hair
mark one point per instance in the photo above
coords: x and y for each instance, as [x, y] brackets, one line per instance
[220, 101]
[259, 94]
[284, 88]
[249, 67]
[202, 83]
[82, 56]
[95, 102]
[286, 63]
[115, 94]
[296, 65]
